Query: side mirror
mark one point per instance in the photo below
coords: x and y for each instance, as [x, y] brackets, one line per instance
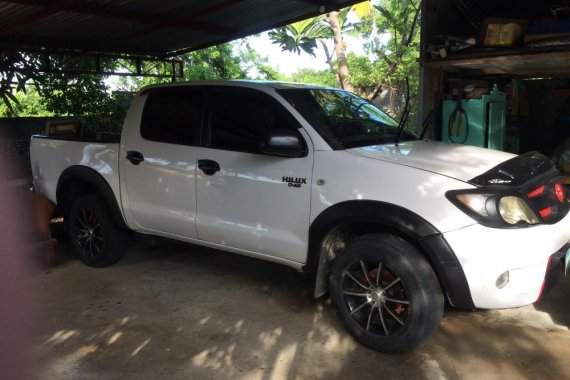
[283, 143]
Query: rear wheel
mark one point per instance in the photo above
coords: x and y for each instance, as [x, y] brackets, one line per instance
[97, 241]
[386, 293]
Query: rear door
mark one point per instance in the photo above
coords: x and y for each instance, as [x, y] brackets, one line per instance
[158, 170]
[246, 199]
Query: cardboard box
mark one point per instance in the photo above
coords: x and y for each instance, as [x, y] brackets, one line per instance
[497, 32]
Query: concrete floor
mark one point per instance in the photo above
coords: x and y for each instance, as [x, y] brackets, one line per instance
[185, 312]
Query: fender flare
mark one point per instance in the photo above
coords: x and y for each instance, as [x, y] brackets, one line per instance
[98, 185]
[402, 222]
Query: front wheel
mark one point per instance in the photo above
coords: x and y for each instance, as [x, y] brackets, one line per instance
[96, 239]
[386, 293]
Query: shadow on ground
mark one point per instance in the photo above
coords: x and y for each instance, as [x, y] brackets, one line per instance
[177, 311]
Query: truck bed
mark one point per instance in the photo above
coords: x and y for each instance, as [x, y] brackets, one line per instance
[51, 156]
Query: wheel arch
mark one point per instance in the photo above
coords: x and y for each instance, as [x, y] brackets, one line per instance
[338, 224]
[76, 181]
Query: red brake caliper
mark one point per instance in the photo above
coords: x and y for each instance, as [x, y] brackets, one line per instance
[97, 236]
[389, 277]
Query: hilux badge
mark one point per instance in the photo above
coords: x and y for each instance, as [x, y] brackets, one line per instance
[295, 182]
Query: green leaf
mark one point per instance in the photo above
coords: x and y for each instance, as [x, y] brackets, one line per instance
[11, 96]
[6, 98]
[342, 15]
[362, 10]
[301, 36]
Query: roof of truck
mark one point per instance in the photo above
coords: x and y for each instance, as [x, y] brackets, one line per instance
[258, 84]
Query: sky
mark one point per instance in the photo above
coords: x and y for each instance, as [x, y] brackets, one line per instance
[288, 62]
[283, 61]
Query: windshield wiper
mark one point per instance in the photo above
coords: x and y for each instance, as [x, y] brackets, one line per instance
[405, 114]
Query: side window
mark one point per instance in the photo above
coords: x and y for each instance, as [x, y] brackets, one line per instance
[173, 118]
[240, 118]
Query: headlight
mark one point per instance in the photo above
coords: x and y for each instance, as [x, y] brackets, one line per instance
[494, 209]
[514, 210]
[475, 202]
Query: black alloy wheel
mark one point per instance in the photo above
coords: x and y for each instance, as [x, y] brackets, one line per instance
[96, 239]
[386, 293]
[376, 297]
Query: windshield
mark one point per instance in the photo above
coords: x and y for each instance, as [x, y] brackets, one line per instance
[343, 119]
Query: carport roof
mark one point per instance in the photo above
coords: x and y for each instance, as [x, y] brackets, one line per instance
[145, 27]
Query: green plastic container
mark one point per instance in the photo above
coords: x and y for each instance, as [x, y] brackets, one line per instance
[486, 117]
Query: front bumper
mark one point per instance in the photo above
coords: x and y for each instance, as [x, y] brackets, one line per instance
[486, 253]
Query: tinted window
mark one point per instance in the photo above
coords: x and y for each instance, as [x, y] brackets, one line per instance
[241, 117]
[173, 118]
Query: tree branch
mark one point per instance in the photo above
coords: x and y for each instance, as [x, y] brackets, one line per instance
[328, 54]
[343, 71]
[413, 29]
[380, 87]
[385, 57]
[329, 57]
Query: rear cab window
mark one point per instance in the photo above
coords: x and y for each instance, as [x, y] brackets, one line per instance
[174, 116]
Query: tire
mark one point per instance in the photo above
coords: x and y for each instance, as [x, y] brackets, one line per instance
[397, 313]
[96, 239]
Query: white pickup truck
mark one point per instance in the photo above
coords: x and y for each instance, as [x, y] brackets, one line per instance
[318, 179]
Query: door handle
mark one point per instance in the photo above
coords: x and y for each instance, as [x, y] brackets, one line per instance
[135, 157]
[209, 167]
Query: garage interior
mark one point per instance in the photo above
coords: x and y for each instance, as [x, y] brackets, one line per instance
[522, 50]
[177, 311]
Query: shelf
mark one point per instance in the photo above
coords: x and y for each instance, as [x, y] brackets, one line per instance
[523, 63]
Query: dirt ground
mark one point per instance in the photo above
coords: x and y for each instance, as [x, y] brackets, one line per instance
[172, 311]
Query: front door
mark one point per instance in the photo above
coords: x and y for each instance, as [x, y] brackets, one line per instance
[248, 200]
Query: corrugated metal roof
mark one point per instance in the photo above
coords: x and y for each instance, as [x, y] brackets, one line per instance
[145, 27]
[11, 12]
